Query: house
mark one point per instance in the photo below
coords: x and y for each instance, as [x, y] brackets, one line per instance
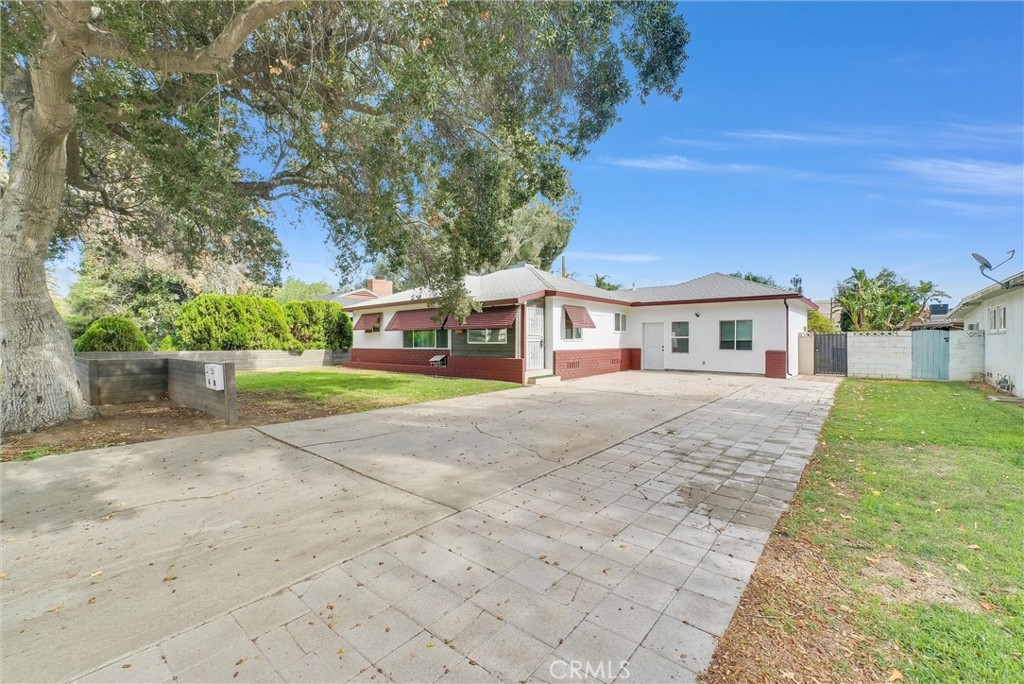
[536, 324]
[999, 312]
[375, 288]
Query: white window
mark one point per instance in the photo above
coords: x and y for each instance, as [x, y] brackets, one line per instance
[571, 332]
[997, 318]
[487, 336]
[620, 322]
[681, 337]
[736, 335]
[425, 339]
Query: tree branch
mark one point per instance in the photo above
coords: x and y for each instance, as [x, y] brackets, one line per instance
[71, 21]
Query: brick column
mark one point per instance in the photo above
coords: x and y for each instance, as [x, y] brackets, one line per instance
[775, 364]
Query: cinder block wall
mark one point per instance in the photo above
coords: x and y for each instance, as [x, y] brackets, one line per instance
[186, 385]
[967, 355]
[243, 359]
[887, 355]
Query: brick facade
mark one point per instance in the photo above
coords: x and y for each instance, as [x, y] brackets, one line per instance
[775, 364]
[418, 361]
[571, 364]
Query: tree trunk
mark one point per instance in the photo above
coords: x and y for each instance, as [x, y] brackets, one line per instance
[39, 386]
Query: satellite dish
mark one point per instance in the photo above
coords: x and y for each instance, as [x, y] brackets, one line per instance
[985, 264]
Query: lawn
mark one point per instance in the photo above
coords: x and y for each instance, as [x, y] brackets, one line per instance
[343, 390]
[911, 519]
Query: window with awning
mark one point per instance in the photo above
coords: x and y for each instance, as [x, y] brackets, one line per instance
[579, 316]
[368, 322]
[489, 319]
[419, 319]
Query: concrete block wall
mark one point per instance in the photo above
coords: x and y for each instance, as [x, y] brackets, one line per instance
[887, 355]
[121, 381]
[186, 385]
[967, 355]
[243, 359]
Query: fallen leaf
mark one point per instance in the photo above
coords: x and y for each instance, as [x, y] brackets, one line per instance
[276, 71]
[985, 604]
[962, 568]
[846, 517]
[239, 662]
[96, 574]
[875, 492]
[819, 509]
[895, 676]
[170, 578]
[873, 559]
[3, 575]
[973, 547]
[430, 644]
[91, 601]
[126, 666]
[341, 651]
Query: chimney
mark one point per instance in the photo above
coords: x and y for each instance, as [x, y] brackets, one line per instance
[380, 287]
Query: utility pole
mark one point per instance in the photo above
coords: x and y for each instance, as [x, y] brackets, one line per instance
[564, 274]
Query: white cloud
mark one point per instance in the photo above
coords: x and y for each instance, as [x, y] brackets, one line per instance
[792, 137]
[613, 256]
[964, 176]
[675, 162]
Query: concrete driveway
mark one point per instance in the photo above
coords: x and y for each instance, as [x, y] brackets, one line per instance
[505, 537]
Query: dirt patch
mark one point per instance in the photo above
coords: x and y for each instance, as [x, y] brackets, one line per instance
[142, 422]
[897, 583]
[792, 625]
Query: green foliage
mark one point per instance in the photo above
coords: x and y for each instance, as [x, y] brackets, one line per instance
[883, 302]
[318, 324]
[415, 135]
[216, 322]
[929, 475]
[296, 290]
[603, 282]
[819, 323]
[755, 278]
[112, 333]
[108, 285]
[168, 344]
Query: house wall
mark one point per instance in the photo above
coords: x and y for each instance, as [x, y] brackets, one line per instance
[601, 337]
[1004, 351]
[770, 331]
[385, 339]
[879, 355]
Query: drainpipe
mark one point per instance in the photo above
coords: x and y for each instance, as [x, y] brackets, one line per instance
[786, 303]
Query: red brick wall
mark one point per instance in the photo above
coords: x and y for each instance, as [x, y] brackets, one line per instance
[571, 363]
[775, 364]
[418, 361]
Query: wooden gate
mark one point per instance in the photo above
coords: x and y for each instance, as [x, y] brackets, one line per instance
[830, 354]
[930, 352]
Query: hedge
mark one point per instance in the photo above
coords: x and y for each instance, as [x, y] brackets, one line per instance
[319, 324]
[224, 322]
[111, 333]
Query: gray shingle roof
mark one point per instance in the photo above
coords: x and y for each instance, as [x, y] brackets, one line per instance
[519, 281]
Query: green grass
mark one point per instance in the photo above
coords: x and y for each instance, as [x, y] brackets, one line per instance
[926, 472]
[36, 452]
[362, 390]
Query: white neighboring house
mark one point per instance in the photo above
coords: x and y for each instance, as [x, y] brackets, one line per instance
[534, 323]
[999, 312]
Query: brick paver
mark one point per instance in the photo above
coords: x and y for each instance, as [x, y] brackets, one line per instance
[636, 555]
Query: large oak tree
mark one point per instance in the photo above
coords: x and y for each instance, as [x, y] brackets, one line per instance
[409, 127]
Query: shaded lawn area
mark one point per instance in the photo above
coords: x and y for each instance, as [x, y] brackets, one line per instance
[912, 519]
[331, 391]
[264, 397]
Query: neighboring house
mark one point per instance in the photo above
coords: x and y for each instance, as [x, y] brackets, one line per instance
[375, 288]
[999, 312]
[535, 324]
[829, 308]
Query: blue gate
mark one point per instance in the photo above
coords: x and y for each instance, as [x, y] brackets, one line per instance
[930, 354]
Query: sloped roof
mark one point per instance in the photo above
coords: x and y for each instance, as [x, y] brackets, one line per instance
[521, 281]
[975, 299]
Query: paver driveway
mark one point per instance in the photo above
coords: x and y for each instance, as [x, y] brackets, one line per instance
[504, 537]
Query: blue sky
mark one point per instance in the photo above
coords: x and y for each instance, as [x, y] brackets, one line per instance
[811, 138]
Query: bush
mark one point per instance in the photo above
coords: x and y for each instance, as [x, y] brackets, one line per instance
[220, 322]
[168, 344]
[318, 324]
[818, 323]
[111, 333]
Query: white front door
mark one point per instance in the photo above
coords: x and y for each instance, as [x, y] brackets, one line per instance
[654, 346]
[534, 337]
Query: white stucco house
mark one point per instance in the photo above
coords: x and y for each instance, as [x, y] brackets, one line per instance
[535, 324]
[998, 310]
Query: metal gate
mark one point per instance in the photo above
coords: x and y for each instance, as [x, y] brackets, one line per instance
[930, 353]
[830, 354]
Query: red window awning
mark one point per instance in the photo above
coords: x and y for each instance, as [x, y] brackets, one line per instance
[579, 316]
[367, 322]
[495, 317]
[420, 319]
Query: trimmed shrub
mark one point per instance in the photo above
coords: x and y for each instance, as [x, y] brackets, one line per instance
[223, 322]
[319, 324]
[111, 333]
[819, 323]
[168, 344]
